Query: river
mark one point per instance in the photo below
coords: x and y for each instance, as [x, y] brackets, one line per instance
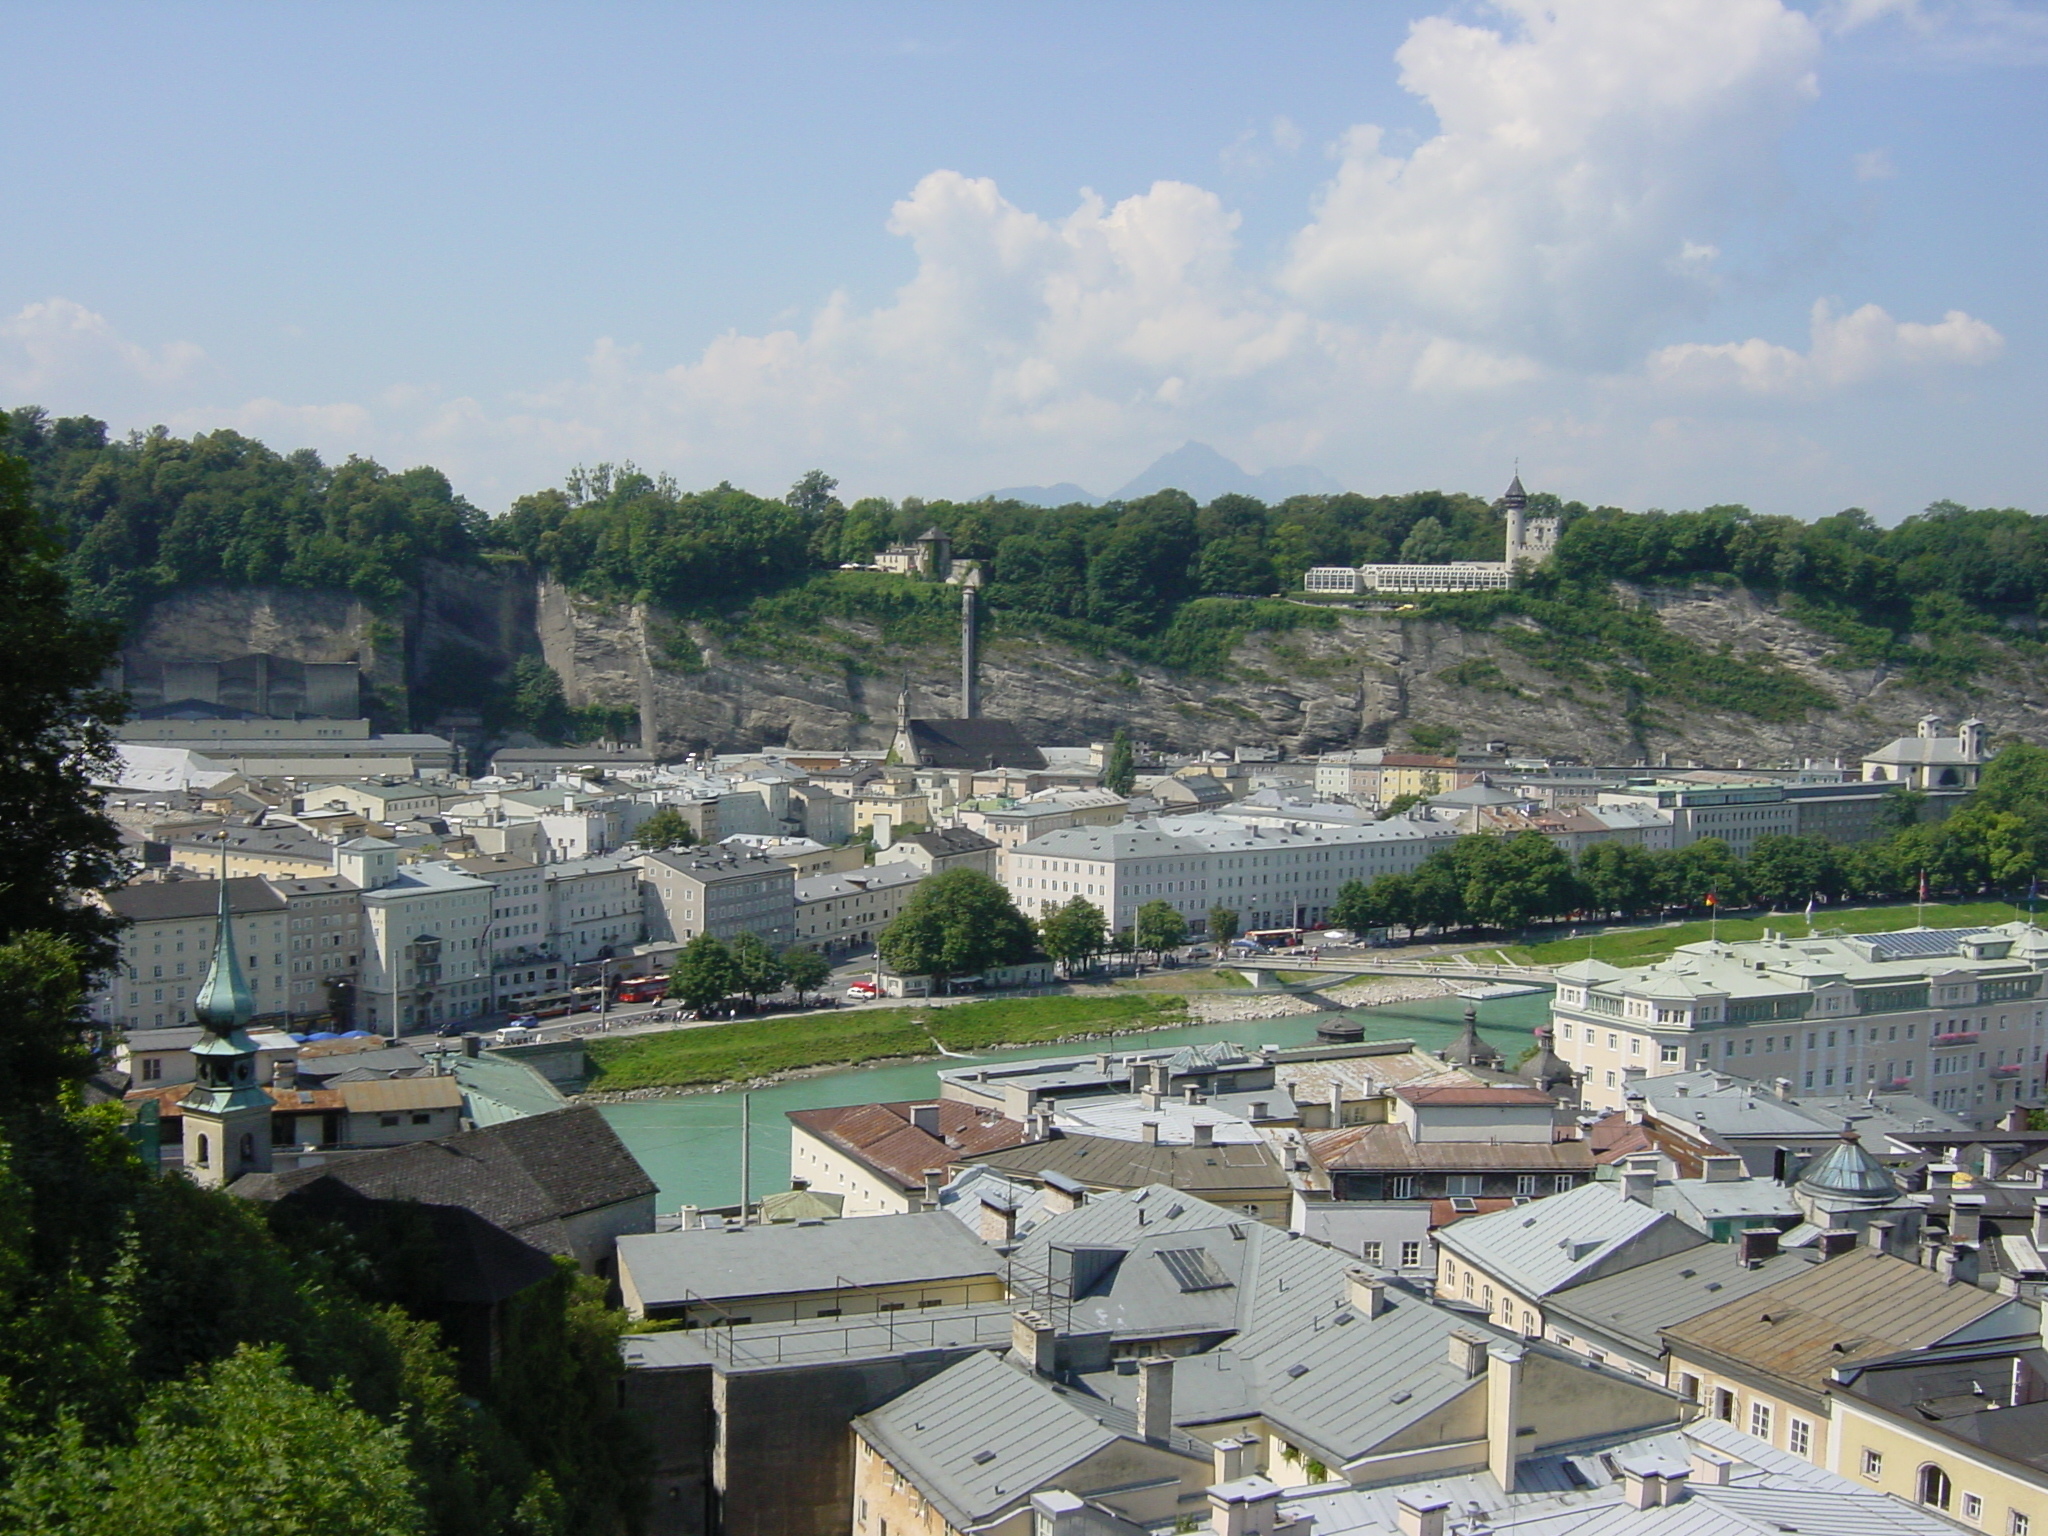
[689, 1143]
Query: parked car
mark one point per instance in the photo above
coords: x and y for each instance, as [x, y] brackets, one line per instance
[1199, 951]
[515, 1034]
[863, 990]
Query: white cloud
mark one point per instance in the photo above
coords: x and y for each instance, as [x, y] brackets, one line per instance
[50, 344]
[1576, 152]
[1846, 350]
[1873, 165]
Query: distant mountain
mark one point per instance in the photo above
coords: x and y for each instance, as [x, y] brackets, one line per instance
[1205, 474]
[1065, 494]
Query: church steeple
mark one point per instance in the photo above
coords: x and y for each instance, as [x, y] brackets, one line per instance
[227, 1113]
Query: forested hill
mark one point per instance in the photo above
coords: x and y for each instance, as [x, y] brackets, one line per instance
[1158, 579]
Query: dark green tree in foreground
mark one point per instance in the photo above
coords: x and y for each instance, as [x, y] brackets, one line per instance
[704, 974]
[1223, 924]
[1120, 771]
[804, 970]
[666, 828]
[956, 924]
[756, 969]
[1073, 934]
[1159, 927]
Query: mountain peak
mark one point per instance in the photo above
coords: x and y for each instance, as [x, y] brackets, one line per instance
[1206, 474]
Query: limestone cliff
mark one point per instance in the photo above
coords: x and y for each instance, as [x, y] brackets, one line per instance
[1308, 690]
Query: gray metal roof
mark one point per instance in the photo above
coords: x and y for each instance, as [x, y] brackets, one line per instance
[1565, 1239]
[982, 1435]
[672, 1268]
[1633, 1306]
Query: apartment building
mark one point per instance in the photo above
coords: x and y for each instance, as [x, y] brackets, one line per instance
[594, 908]
[525, 959]
[388, 803]
[167, 944]
[1270, 876]
[1953, 1015]
[836, 912]
[426, 956]
[720, 891]
[324, 918]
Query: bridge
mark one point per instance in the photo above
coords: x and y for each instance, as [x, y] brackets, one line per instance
[1263, 971]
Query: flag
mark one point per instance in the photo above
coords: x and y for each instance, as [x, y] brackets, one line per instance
[2033, 890]
[1809, 905]
[1923, 885]
[1712, 901]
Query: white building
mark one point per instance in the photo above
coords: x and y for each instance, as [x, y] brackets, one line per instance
[167, 944]
[426, 951]
[594, 908]
[1282, 876]
[525, 961]
[1953, 1015]
[1930, 760]
[849, 910]
[1531, 540]
[719, 891]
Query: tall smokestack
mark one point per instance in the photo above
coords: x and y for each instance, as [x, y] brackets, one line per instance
[970, 690]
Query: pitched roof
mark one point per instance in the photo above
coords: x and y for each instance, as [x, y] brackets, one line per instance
[1634, 1305]
[1361, 1147]
[883, 1138]
[1471, 1096]
[384, 1095]
[1103, 1162]
[154, 901]
[1563, 1240]
[1857, 1306]
[527, 1176]
[978, 743]
[729, 1263]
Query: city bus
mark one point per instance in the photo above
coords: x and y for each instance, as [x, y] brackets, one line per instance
[640, 989]
[1276, 938]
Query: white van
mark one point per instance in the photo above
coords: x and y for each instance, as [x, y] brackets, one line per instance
[515, 1034]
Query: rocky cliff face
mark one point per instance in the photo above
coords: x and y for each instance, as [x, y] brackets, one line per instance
[1310, 690]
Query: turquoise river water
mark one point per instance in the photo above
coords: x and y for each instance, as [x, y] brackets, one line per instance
[689, 1143]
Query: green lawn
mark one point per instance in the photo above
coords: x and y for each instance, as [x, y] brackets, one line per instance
[1182, 981]
[1635, 946]
[749, 1048]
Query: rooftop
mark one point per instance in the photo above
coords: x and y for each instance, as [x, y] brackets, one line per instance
[882, 1137]
[1566, 1240]
[672, 1269]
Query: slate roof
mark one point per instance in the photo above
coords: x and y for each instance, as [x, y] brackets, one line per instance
[527, 1176]
[728, 1263]
[155, 901]
[948, 842]
[1560, 1241]
[1103, 1162]
[1969, 1399]
[1858, 1306]
[978, 743]
[1371, 1147]
[882, 1138]
[386, 1095]
[1633, 1306]
[1471, 1096]
[981, 1436]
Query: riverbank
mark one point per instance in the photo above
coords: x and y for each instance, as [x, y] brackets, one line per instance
[1640, 946]
[750, 1052]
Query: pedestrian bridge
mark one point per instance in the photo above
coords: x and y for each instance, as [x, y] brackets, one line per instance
[1263, 971]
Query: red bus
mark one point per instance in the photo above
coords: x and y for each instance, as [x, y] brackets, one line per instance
[640, 989]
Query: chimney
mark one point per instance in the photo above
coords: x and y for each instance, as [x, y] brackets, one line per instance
[1033, 1338]
[998, 1222]
[1639, 1185]
[1259, 1107]
[1205, 1134]
[1722, 1168]
[1336, 1105]
[1782, 1087]
[1148, 1131]
[1836, 1241]
[1755, 1245]
[1878, 1236]
[1366, 1291]
[1234, 1458]
[472, 1045]
[1102, 1063]
[1151, 1098]
[926, 1118]
[1468, 1351]
[934, 1181]
[1711, 1469]
[2041, 1223]
[1155, 1398]
[1650, 1482]
[1421, 1513]
[284, 1074]
[1966, 1218]
[1248, 1507]
[1060, 1513]
[1503, 1412]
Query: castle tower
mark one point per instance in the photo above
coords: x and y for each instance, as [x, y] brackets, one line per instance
[227, 1113]
[1517, 502]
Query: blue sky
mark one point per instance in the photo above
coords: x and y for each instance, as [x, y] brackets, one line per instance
[1665, 252]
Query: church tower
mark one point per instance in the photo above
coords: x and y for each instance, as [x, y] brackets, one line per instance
[227, 1113]
[1531, 539]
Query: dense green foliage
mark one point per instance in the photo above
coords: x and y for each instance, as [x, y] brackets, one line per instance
[751, 1048]
[1157, 579]
[956, 923]
[708, 970]
[1997, 840]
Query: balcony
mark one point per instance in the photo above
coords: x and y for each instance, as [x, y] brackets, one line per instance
[2011, 1069]
[1960, 1037]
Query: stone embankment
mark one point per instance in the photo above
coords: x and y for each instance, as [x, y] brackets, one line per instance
[1232, 1007]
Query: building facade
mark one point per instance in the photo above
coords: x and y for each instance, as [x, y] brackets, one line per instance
[167, 945]
[720, 891]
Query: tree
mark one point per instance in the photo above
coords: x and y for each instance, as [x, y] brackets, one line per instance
[812, 494]
[666, 828]
[954, 924]
[1619, 877]
[1223, 925]
[1073, 934]
[755, 968]
[1702, 869]
[704, 974]
[1791, 871]
[2016, 778]
[537, 702]
[1427, 544]
[1903, 807]
[1401, 804]
[804, 970]
[1159, 927]
[1120, 772]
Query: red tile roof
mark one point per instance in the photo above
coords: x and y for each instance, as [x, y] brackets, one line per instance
[882, 1138]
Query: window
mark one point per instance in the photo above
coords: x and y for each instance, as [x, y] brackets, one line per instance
[1403, 1187]
[1411, 1255]
[1689, 1386]
[1724, 1405]
[1873, 1463]
[1370, 1252]
[1760, 1420]
[1525, 1183]
[152, 1069]
[1933, 1487]
[1669, 1053]
[2017, 1523]
[1462, 1184]
[387, 1119]
[1561, 1183]
[1973, 1507]
[1799, 1438]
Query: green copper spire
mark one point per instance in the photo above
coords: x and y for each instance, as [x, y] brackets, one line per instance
[225, 1003]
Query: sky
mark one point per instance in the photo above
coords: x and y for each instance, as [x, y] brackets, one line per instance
[1656, 253]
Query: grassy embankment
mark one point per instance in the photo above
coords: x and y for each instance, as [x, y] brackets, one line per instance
[751, 1048]
[1638, 946]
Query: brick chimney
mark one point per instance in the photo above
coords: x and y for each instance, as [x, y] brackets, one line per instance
[1755, 1245]
[1366, 1291]
[1836, 1241]
[1966, 1218]
[1035, 1340]
[1422, 1513]
[1468, 1350]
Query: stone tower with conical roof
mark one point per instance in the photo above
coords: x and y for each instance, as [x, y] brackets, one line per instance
[1468, 1050]
[1845, 1187]
[227, 1113]
[1531, 539]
